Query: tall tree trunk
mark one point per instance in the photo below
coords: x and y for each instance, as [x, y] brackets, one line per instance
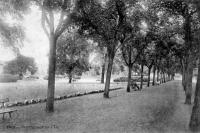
[161, 78]
[51, 78]
[188, 59]
[108, 74]
[142, 71]
[164, 79]
[187, 77]
[103, 69]
[102, 73]
[173, 75]
[130, 65]
[154, 75]
[169, 77]
[70, 77]
[149, 76]
[129, 77]
[188, 82]
[158, 75]
[184, 76]
[195, 117]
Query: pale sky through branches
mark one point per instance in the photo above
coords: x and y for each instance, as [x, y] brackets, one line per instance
[36, 42]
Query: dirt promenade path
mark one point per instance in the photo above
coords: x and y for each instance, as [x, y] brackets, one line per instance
[158, 109]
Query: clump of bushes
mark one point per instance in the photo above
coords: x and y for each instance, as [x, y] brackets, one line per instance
[5, 78]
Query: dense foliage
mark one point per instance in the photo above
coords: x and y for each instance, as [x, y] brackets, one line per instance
[12, 34]
[72, 56]
[20, 65]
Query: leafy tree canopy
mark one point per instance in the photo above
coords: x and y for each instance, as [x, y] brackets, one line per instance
[72, 55]
[20, 65]
[11, 35]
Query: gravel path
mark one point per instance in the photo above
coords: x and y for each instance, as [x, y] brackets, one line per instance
[158, 109]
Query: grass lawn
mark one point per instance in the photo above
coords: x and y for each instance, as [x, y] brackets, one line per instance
[21, 90]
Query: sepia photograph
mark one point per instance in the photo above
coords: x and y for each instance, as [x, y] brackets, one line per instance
[99, 66]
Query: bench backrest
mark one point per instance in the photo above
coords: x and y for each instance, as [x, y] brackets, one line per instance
[2, 101]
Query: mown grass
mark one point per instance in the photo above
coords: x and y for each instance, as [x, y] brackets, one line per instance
[23, 90]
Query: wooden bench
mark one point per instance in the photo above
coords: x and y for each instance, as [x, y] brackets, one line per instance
[4, 110]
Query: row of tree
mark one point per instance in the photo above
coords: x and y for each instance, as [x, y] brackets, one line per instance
[119, 27]
[169, 42]
[161, 34]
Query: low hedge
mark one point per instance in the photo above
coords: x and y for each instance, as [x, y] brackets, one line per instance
[6, 78]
